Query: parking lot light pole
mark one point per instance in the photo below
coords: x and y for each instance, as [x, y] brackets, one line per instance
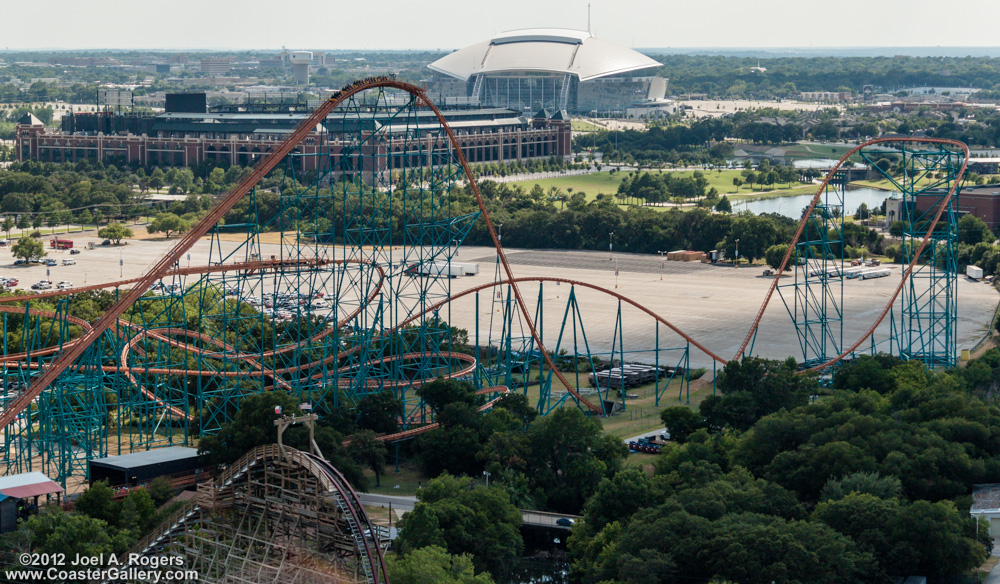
[487, 474]
[661, 263]
[611, 246]
[736, 262]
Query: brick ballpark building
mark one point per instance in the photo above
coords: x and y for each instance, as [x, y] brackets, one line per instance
[184, 138]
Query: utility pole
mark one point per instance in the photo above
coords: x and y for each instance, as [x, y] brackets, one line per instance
[611, 246]
[661, 263]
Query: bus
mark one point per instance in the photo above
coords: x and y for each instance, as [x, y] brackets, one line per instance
[61, 244]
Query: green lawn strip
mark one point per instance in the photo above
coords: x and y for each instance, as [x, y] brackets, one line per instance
[405, 482]
[582, 126]
[606, 183]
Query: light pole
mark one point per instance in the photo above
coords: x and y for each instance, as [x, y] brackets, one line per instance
[500, 233]
[736, 263]
[661, 263]
[455, 244]
[487, 474]
[611, 246]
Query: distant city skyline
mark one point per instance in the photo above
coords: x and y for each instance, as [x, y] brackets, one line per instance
[452, 24]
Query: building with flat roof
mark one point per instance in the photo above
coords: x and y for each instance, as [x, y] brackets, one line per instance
[982, 201]
[141, 467]
[185, 138]
[546, 68]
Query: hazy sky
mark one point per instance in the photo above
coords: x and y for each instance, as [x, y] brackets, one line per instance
[450, 24]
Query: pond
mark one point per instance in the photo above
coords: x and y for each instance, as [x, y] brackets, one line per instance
[792, 206]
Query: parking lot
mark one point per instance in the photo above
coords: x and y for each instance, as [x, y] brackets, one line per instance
[715, 305]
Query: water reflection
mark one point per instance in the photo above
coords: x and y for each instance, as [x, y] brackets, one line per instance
[792, 206]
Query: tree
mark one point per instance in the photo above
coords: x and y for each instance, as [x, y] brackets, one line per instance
[753, 388]
[619, 497]
[775, 254]
[251, 426]
[27, 248]
[156, 179]
[441, 392]
[871, 483]
[138, 512]
[454, 446]
[464, 518]
[160, 490]
[380, 412]
[681, 422]
[737, 182]
[168, 223]
[368, 450]
[98, 502]
[53, 530]
[23, 222]
[724, 206]
[973, 230]
[8, 225]
[433, 564]
[116, 232]
[569, 454]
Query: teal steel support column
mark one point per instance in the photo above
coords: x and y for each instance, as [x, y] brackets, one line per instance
[656, 362]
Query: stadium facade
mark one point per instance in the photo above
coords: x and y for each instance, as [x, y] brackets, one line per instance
[552, 69]
[182, 137]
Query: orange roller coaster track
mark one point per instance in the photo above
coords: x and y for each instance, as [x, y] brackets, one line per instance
[72, 350]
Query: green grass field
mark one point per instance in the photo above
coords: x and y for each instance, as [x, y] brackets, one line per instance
[582, 126]
[607, 183]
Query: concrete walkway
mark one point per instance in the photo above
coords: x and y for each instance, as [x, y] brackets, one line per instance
[994, 576]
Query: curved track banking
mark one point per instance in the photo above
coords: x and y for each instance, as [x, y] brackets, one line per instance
[909, 269]
[165, 268]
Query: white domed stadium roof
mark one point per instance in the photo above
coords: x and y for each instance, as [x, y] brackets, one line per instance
[543, 50]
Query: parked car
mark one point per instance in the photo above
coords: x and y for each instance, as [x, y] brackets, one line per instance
[43, 285]
[106, 242]
[12, 282]
[64, 285]
[20, 262]
[74, 251]
[565, 522]
[69, 261]
[51, 263]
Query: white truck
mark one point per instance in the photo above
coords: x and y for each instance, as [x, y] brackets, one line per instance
[436, 269]
[974, 272]
[468, 269]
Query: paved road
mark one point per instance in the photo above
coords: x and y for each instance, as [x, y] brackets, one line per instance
[400, 503]
[403, 504]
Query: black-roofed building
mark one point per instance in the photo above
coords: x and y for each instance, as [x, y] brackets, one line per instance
[141, 467]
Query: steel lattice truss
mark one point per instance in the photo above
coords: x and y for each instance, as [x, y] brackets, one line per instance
[174, 357]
